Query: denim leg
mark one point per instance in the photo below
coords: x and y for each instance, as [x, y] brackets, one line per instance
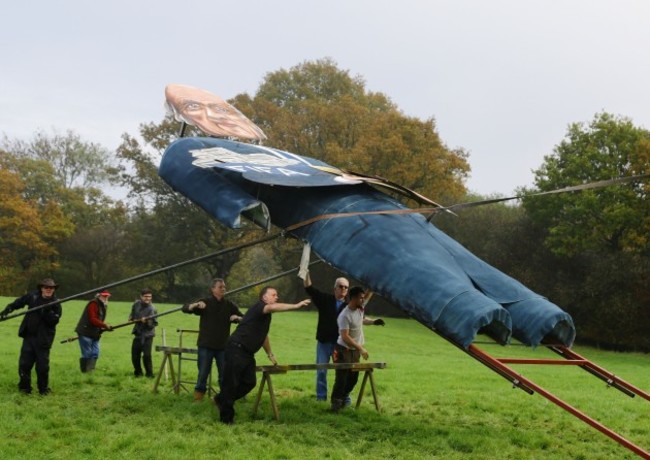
[323, 355]
[94, 350]
[220, 358]
[204, 363]
[86, 347]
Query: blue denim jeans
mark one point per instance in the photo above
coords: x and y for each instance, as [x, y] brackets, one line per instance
[89, 347]
[204, 363]
[323, 355]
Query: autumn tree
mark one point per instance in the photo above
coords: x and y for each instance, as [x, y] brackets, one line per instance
[318, 110]
[71, 172]
[30, 228]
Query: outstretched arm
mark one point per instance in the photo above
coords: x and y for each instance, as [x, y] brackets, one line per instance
[280, 307]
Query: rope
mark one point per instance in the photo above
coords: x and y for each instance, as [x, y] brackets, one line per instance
[434, 210]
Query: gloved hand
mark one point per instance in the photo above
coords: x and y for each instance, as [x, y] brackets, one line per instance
[4, 313]
[379, 322]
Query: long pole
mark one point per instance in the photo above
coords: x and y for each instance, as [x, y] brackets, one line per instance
[174, 310]
[144, 275]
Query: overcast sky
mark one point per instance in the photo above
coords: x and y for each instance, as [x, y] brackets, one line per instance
[503, 79]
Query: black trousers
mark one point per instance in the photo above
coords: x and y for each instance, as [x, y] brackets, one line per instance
[32, 354]
[238, 380]
[141, 346]
[345, 379]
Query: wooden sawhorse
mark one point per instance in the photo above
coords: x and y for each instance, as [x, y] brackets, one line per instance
[170, 352]
[267, 371]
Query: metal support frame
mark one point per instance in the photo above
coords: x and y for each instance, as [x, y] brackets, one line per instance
[571, 358]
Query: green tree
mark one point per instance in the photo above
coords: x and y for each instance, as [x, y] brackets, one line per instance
[256, 263]
[77, 163]
[601, 235]
[615, 218]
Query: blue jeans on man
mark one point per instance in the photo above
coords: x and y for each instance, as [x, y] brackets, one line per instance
[323, 356]
[324, 352]
[89, 347]
[204, 363]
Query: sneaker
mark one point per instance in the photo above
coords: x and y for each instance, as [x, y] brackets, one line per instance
[198, 396]
[45, 392]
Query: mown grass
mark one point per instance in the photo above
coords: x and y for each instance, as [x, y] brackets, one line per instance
[437, 402]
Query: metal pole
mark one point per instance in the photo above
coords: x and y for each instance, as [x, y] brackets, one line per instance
[173, 310]
[144, 275]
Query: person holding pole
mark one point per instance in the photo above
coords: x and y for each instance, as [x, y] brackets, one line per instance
[248, 338]
[90, 327]
[216, 314]
[37, 331]
[144, 329]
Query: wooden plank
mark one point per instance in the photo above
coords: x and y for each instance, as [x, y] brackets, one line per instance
[282, 368]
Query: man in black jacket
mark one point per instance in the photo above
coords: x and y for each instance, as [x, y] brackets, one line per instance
[327, 331]
[37, 330]
[217, 313]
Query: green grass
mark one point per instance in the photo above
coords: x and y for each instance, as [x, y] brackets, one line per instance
[437, 402]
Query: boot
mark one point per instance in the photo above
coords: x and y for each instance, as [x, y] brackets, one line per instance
[82, 364]
[198, 396]
[337, 405]
[25, 383]
[90, 364]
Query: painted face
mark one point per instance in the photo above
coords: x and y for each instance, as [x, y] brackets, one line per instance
[210, 113]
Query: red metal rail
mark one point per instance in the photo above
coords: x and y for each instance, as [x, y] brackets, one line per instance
[499, 366]
[599, 372]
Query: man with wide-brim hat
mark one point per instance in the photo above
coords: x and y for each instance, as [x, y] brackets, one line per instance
[47, 282]
[37, 330]
[90, 327]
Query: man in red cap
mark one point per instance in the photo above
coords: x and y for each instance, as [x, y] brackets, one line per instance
[90, 328]
[37, 330]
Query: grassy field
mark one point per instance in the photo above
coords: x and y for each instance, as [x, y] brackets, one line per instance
[437, 402]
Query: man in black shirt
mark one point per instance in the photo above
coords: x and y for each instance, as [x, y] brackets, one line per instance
[214, 329]
[248, 338]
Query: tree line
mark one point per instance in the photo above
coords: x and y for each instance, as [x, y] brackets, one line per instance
[586, 251]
